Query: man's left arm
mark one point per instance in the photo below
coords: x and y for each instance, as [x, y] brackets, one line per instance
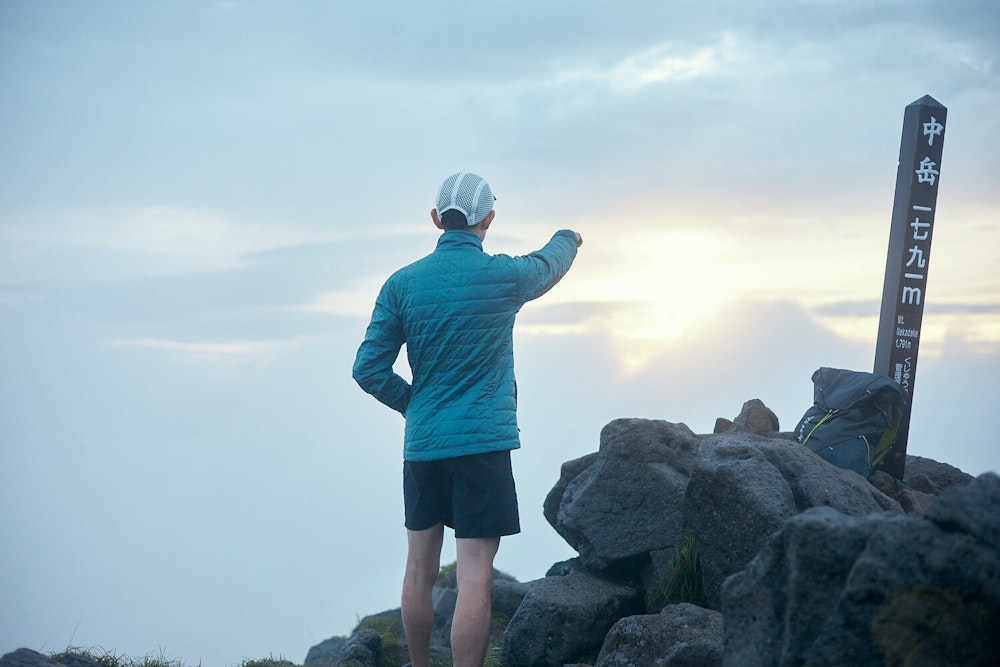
[379, 351]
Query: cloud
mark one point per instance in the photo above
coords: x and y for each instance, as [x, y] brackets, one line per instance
[188, 277]
[851, 308]
[256, 350]
[659, 64]
[115, 244]
[871, 307]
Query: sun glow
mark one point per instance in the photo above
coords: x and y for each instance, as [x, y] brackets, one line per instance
[671, 282]
[675, 279]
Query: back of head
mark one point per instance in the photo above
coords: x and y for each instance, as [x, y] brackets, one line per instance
[464, 200]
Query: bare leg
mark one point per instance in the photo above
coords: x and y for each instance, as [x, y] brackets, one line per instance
[423, 560]
[470, 627]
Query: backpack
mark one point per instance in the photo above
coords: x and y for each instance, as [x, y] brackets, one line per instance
[854, 418]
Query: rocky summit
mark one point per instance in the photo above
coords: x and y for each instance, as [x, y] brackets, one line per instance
[739, 548]
[742, 548]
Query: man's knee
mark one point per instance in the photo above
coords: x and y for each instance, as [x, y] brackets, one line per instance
[423, 558]
[475, 560]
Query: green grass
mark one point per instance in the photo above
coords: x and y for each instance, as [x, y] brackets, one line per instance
[682, 580]
[112, 659]
[264, 662]
[389, 627]
[493, 658]
[446, 575]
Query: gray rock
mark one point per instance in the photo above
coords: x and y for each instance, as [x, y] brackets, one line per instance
[885, 589]
[757, 418]
[567, 473]
[564, 567]
[680, 636]
[744, 488]
[972, 510]
[361, 649]
[562, 618]
[507, 598]
[626, 501]
[911, 500]
[722, 425]
[930, 476]
[443, 599]
[326, 650]
[923, 484]
[25, 657]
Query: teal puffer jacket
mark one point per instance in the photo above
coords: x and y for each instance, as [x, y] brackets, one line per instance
[454, 310]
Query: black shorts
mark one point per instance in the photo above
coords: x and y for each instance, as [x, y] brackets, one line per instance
[473, 494]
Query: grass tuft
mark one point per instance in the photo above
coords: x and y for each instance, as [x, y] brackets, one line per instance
[682, 581]
[269, 661]
[493, 658]
[112, 659]
[389, 627]
[446, 575]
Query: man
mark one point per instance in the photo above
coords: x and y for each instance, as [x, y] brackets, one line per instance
[454, 309]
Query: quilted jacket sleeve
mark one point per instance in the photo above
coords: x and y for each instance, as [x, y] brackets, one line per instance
[538, 272]
[373, 363]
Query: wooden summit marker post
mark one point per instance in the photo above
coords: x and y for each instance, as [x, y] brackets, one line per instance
[905, 288]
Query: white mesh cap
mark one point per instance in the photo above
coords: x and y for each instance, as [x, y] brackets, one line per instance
[468, 193]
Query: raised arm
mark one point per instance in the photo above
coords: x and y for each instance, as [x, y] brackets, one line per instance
[539, 271]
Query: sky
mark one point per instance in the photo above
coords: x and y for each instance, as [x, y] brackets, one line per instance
[200, 200]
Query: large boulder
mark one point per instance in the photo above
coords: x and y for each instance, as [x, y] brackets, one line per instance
[507, 597]
[625, 501]
[885, 589]
[564, 617]
[682, 635]
[745, 487]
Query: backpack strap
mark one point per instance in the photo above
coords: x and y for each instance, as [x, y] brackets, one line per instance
[888, 437]
[818, 424]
